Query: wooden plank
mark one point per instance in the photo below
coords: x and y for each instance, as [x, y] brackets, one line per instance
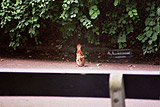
[116, 87]
[22, 101]
[82, 71]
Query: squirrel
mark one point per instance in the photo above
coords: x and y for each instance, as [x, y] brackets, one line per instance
[79, 56]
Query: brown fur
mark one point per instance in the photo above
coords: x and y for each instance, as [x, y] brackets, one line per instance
[79, 56]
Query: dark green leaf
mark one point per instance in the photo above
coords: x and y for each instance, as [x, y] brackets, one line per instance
[154, 37]
[149, 33]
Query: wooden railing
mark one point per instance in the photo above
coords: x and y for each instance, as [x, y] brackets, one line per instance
[116, 85]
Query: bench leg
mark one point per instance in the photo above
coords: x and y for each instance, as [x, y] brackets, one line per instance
[117, 93]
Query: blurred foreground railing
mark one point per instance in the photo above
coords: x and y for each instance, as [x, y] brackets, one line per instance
[116, 85]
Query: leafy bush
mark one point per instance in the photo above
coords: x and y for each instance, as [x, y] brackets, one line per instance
[77, 21]
[149, 36]
[122, 21]
[20, 17]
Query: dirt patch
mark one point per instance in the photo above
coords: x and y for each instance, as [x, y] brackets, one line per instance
[67, 53]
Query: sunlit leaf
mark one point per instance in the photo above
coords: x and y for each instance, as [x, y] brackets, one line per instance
[115, 2]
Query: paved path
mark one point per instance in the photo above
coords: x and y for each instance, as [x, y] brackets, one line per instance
[13, 63]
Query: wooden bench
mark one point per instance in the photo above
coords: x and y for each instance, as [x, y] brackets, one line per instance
[116, 85]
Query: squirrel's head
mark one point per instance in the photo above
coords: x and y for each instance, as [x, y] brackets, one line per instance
[79, 46]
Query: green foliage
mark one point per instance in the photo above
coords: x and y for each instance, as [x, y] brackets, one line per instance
[116, 2]
[75, 19]
[152, 28]
[158, 11]
[70, 9]
[21, 16]
[94, 12]
[121, 21]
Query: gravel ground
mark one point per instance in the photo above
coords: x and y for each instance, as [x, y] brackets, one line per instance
[14, 63]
